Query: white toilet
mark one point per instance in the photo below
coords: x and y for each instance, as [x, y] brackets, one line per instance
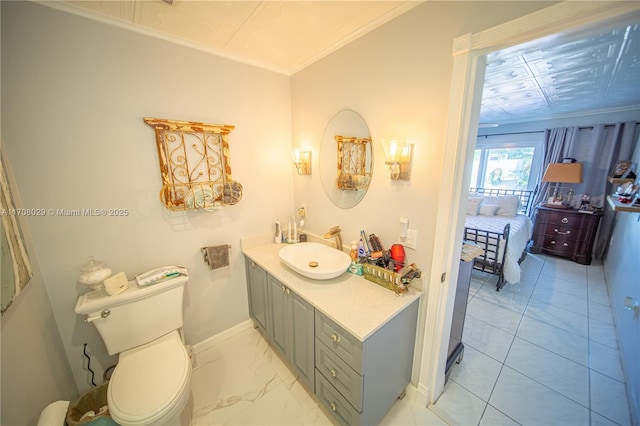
[151, 384]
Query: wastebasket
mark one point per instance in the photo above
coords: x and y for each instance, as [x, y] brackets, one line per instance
[94, 401]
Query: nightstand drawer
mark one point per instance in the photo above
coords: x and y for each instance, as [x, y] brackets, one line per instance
[554, 229]
[339, 374]
[568, 219]
[561, 245]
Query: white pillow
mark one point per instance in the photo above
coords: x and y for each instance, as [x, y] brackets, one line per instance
[488, 209]
[473, 205]
[508, 204]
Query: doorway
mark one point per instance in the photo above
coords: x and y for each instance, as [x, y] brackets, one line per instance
[467, 82]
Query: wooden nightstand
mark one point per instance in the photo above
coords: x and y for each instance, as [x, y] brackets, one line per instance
[565, 232]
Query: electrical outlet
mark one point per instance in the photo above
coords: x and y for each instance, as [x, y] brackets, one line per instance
[412, 237]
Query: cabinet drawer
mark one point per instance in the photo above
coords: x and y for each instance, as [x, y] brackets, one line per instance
[568, 219]
[562, 245]
[554, 229]
[341, 342]
[336, 404]
[344, 378]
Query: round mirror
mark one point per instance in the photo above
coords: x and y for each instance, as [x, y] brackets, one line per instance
[346, 159]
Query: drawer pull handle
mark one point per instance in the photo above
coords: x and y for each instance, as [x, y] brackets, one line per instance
[284, 289]
[288, 290]
[565, 244]
[565, 220]
[553, 242]
[335, 338]
[333, 372]
[562, 233]
[333, 406]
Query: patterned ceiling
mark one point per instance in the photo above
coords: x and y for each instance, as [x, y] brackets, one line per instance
[534, 81]
[551, 78]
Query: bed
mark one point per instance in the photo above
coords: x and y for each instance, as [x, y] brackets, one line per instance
[497, 221]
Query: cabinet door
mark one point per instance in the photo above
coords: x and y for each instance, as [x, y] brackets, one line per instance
[257, 289]
[279, 315]
[302, 354]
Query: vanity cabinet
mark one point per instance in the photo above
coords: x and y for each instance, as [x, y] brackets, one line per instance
[284, 319]
[291, 331]
[257, 290]
[356, 379]
[359, 381]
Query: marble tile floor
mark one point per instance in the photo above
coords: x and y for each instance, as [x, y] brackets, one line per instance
[541, 352]
[241, 381]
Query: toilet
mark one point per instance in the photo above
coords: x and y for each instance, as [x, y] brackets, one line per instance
[151, 384]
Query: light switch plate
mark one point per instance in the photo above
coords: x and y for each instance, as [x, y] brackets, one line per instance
[412, 237]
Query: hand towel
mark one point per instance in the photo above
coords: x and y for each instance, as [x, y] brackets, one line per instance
[216, 256]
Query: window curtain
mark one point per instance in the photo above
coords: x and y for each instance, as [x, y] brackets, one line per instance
[597, 148]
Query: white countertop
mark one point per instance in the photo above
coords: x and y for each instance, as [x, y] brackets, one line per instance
[356, 304]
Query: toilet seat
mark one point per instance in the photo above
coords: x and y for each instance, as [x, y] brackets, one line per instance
[150, 381]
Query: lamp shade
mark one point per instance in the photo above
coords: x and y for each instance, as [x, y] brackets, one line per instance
[563, 173]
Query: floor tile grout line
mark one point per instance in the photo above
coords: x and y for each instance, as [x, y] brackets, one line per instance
[503, 363]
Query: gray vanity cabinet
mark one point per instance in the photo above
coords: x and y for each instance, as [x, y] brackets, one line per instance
[356, 380]
[292, 320]
[359, 381]
[257, 290]
[287, 323]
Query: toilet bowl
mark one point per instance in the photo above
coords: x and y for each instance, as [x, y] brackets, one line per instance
[151, 384]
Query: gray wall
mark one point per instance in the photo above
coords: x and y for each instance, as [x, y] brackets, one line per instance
[75, 92]
[622, 273]
[35, 370]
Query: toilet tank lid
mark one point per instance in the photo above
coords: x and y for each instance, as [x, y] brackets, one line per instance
[95, 301]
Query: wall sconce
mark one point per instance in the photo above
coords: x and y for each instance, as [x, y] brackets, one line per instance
[303, 162]
[398, 156]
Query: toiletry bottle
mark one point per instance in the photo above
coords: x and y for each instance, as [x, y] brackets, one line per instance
[354, 251]
[361, 252]
[277, 238]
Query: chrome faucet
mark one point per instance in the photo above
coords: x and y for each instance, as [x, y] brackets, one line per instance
[335, 231]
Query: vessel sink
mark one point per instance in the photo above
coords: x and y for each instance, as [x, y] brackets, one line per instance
[315, 260]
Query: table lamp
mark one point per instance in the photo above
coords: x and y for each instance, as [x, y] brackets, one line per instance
[569, 172]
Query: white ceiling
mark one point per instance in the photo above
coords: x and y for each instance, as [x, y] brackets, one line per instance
[283, 36]
[557, 76]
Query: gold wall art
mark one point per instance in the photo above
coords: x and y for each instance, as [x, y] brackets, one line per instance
[195, 165]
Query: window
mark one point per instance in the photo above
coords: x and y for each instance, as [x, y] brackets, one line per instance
[509, 161]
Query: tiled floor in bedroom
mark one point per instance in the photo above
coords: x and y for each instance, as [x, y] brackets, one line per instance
[538, 353]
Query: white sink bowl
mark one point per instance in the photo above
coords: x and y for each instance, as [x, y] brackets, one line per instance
[315, 260]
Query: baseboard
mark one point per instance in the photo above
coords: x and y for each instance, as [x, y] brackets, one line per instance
[222, 336]
[419, 394]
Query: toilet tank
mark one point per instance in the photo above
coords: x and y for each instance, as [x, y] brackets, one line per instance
[136, 316]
